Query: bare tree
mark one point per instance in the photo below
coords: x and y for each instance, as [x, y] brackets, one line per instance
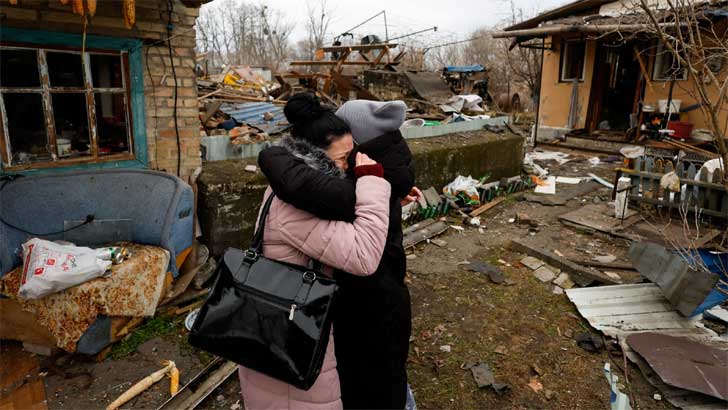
[698, 44]
[233, 32]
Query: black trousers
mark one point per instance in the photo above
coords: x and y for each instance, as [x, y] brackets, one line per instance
[372, 329]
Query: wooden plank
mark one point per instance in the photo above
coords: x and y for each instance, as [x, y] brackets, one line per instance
[329, 62]
[17, 324]
[22, 387]
[579, 274]
[201, 386]
[607, 265]
[490, 205]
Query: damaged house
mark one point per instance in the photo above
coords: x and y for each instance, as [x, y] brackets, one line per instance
[604, 72]
[99, 116]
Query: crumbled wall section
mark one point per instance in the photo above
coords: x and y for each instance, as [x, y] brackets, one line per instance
[151, 27]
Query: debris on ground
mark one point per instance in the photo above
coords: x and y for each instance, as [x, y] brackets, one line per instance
[483, 376]
[493, 272]
[685, 285]
[684, 363]
[535, 385]
[170, 369]
[617, 399]
[422, 231]
[589, 341]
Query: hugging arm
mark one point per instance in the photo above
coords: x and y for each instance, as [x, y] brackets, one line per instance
[296, 183]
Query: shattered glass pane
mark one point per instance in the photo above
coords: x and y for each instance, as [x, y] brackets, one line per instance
[65, 69]
[26, 127]
[70, 114]
[19, 68]
[106, 71]
[111, 123]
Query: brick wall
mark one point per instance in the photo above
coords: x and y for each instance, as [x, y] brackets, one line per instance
[151, 27]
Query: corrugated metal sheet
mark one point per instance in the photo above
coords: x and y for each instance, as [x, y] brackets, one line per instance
[252, 113]
[621, 310]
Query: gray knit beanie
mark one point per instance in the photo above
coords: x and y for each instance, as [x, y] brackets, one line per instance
[370, 119]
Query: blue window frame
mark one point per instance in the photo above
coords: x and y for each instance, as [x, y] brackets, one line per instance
[63, 107]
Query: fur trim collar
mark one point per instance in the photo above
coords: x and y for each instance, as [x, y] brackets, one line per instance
[312, 155]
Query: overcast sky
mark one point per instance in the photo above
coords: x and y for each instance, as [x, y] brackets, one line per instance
[454, 19]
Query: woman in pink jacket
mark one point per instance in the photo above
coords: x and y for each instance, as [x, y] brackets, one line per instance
[291, 235]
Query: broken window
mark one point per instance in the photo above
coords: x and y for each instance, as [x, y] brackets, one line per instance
[573, 54]
[61, 106]
[667, 66]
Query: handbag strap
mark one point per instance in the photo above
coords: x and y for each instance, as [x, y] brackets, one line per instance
[257, 243]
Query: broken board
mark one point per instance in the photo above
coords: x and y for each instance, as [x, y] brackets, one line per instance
[20, 382]
[599, 217]
[424, 234]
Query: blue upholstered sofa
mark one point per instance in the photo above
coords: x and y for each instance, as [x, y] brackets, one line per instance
[142, 206]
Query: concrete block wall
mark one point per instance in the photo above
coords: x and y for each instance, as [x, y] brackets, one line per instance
[151, 27]
[230, 197]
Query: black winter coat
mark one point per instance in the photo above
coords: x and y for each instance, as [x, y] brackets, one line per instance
[372, 320]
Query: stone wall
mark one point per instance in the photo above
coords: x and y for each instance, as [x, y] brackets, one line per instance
[229, 197]
[151, 27]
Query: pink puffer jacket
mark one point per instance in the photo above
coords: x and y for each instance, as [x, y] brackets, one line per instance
[295, 236]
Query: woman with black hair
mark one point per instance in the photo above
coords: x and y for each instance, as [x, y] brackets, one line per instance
[322, 142]
[372, 315]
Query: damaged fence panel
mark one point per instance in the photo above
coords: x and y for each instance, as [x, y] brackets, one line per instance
[700, 190]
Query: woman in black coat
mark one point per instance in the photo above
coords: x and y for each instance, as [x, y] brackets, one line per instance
[372, 318]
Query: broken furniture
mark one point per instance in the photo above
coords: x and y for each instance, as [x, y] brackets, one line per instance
[134, 205]
[88, 317]
[94, 208]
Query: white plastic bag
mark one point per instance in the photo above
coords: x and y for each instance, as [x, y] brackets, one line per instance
[465, 185]
[49, 267]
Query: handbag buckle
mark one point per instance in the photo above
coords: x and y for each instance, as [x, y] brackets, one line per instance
[309, 277]
[251, 255]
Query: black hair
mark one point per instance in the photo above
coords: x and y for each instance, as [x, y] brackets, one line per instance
[314, 122]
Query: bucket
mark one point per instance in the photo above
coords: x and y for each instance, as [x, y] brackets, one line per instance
[682, 129]
[64, 147]
[674, 106]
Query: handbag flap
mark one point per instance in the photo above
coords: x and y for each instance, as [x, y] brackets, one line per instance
[273, 277]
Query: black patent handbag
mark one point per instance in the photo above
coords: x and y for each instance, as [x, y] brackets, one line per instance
[269, 316]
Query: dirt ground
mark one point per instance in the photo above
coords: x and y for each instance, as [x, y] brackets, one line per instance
[520, 328]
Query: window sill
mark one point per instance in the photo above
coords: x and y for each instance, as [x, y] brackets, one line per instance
[111, 161]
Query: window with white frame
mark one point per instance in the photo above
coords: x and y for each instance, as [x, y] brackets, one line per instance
[667, 66]
[573, 55]
[61, 106]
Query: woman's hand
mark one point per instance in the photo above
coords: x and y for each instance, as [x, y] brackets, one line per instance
[362, 159]
[414, 195]
[363, 165]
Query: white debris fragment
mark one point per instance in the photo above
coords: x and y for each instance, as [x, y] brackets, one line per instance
[446, 348]
[544, 274]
